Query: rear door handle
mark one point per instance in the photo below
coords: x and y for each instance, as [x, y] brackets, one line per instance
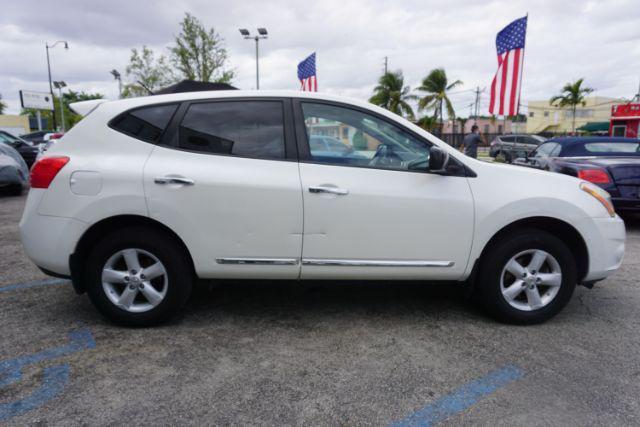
[329, 190]
[173, 180]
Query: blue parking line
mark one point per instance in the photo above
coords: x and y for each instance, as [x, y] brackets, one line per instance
[10, 369]
[461, 399]
[54, 380]
[32, 284]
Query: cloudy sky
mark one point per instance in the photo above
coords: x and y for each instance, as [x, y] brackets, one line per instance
[597, 40]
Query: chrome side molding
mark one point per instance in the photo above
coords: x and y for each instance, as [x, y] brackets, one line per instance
[333, 262]
[258, 261]
[375, 263]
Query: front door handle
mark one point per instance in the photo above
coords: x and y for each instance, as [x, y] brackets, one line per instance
[330, 190]
[173, 180]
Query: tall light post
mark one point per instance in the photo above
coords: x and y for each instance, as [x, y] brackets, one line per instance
[116, 75]
[59, 85]
[47, 46]
[262, 34]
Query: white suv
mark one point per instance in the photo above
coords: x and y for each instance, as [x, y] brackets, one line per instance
[145, 195]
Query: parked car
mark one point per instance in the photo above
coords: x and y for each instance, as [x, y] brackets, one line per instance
[612, 163]
[26, 149]
[14, 174]
[146, 194]
[37, 137]
[509, 147]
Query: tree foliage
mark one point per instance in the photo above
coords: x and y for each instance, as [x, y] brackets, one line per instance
[392, 94]
[147, 72]
[572, 95]
[199, 53]
[70, 118]
[3, 105]
[435, 87]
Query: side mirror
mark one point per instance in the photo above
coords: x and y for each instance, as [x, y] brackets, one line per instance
[438, 160]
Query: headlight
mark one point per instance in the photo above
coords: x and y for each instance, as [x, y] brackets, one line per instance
[601, 195]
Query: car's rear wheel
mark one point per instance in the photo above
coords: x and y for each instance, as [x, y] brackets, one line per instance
[138, 276]
[503, 157]
[527, 277]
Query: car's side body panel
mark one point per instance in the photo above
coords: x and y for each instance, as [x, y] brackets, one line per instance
[403, 217]
[241, 218]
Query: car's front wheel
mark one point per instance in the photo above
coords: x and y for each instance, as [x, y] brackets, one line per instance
[527, 277]
[138, 276]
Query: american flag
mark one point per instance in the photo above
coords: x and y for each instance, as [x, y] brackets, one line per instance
[307, 74]
[505, 88]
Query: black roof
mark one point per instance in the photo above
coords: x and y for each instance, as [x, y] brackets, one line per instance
[193, 86]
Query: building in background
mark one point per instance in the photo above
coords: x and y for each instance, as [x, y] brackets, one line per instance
[543, 117]
[487, 126]
[14, 124]
[625, 120]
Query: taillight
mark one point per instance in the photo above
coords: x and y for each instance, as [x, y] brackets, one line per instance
[43, 172]
[597, 176]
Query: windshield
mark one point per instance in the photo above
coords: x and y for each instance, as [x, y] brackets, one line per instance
[630, 148]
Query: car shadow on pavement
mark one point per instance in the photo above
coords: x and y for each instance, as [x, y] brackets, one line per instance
[329, 299]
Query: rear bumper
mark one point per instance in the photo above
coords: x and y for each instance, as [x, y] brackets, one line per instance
[605, 239]
[49, 240]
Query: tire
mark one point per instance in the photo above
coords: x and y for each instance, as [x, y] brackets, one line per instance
[501, 157]
[496, 283]
[140, 306]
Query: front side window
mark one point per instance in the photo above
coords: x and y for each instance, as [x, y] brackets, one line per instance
[354, 138]
[147, 123]
[238, 128]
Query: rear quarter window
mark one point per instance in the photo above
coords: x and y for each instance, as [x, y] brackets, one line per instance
[145, 123]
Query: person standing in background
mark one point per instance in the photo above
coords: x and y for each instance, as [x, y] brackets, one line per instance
[471, 141]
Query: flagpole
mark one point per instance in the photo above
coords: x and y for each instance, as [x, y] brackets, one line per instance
[522, 70]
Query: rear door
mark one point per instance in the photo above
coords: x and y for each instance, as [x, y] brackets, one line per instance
[226, 181]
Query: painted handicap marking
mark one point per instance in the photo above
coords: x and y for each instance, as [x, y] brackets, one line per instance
[461, 399]
[32, 284]
[54, 380]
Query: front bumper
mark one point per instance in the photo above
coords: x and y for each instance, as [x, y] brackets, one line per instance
[605, 239]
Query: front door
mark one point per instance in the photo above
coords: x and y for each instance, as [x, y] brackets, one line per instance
[370, 209]
[229, 186]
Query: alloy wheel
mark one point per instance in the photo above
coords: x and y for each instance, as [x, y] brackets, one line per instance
[135, 280]
[530, 280]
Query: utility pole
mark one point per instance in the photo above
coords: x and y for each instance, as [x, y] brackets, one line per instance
[47, 47]
[477, 104]
[386, 63]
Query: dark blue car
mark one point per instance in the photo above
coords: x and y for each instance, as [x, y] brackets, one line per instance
[611, 163]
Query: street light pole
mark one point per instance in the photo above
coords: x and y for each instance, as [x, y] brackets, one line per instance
[116, 75]
[59, 85]
[262, 34]
[66, 46]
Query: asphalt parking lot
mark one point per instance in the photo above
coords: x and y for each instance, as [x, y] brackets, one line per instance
[263, 353]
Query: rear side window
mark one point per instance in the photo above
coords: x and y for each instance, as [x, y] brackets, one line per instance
[238, 128]
[146, 123]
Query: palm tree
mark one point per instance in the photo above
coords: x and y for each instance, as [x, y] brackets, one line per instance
[572, 95]
[3, 106]
[392, 94]
[436, 85]
[427, 123]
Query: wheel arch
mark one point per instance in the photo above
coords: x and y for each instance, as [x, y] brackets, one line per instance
[565, 231]
[105, 226]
